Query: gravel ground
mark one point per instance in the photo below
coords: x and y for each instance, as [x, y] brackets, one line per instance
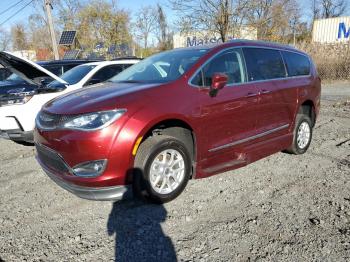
[281, 208]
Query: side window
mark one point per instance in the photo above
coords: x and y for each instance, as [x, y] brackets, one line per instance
[56, 69]
[105, 73]
[264, 64]
[297, 65]
[229, 63]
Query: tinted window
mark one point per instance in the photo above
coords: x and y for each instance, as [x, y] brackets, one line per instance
[126, 66]
[161, 68]
[264, 64]
[106, 73]
[297, 65]
[68, 67]
[229, 63]
[56, 69]
[74, 75]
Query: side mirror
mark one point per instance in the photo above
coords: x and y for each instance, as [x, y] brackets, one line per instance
[218, 82]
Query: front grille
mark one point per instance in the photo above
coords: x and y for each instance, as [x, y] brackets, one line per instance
[51, 159]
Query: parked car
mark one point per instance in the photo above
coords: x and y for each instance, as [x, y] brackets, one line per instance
[57, 67]
[19, 107]
[181, 114]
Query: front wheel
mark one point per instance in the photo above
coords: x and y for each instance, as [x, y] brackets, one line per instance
[302, 135]
[162, 169]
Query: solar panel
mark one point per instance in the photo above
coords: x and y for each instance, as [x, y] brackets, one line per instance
[67, 37]
[112, 49]
[71, 54]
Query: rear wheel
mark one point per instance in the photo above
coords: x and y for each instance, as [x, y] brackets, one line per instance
[302, 135]
[162, 169]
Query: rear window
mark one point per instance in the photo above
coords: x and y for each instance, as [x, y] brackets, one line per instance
[264, 64]
[297, 64]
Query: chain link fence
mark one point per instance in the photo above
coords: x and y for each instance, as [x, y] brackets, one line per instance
[332, 60]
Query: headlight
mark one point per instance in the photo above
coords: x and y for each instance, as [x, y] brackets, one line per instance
[93, 121]
[15, 100]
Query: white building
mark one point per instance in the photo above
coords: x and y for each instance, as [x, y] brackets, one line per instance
[205, 37]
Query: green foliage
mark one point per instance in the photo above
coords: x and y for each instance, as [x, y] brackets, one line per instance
[99, 22]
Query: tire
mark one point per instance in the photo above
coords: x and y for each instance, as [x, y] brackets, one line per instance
[162, 169]
[302, 135]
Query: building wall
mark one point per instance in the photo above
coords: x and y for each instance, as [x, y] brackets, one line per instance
[205, 37]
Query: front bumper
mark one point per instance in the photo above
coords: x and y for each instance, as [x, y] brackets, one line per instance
[91, 193]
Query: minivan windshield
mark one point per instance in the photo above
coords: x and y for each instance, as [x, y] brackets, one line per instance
[74, 75]
[161, 68]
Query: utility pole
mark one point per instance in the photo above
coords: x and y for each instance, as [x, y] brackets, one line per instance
[48, 7]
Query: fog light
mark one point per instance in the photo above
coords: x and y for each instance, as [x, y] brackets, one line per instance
[90, 169]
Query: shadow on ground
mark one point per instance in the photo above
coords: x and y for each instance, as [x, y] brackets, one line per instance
[138, 233]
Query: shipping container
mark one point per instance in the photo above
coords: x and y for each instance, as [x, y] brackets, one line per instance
[331, 30]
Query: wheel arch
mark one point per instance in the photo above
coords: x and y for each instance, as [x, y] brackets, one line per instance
[308, 108]
[176, 127]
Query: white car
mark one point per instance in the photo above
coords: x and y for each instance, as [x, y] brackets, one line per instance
[19, 107]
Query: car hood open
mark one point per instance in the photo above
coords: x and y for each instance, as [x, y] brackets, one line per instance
[28, 70]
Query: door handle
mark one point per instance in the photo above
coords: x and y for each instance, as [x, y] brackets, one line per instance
[251, 94]
[264, 91]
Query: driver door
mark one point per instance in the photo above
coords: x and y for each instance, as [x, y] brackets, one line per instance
[228, 118]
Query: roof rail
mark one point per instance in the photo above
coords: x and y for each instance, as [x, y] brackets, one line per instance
[260, 42]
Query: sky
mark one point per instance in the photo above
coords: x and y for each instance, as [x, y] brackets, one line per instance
[22, 16]
[130, 5]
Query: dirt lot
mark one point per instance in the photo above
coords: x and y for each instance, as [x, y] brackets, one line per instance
[282, 208]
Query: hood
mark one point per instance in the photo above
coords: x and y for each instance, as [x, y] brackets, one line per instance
[97, 98]
[28, 70]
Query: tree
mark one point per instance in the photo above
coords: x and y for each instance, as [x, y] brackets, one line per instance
[163, 34]
[328, 8]
[38, 34]
[19, 37]
[99, 22]
[145, 25]
[274, 19]
[5, 39]
[219, 16]
[333, 8]
[66, 13]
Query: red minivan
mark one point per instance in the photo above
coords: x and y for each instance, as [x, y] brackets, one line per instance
[178, 115]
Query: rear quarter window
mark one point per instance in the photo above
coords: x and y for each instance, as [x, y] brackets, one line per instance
[264, 64]
[297, 64]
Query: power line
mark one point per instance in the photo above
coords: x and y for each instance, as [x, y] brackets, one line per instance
[11, 7]
[14, 14]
